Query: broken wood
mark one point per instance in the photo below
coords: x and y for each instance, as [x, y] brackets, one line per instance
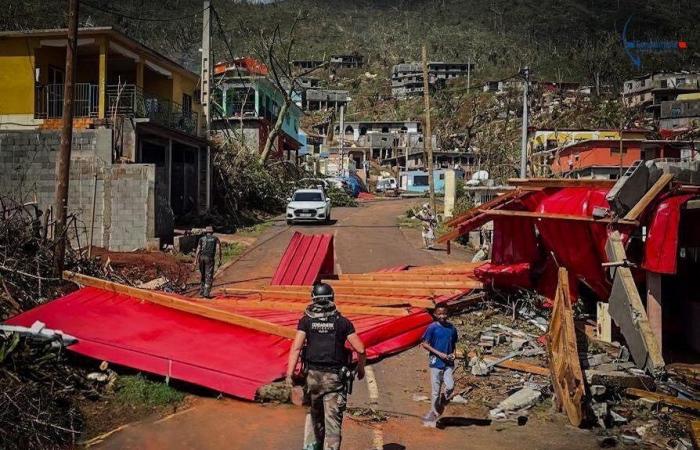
[638, 209]
[560, 182]
[665, 399]
[399, 285]
[376, 300]
[695, 433]
[298, 306]
[181, 304]
[519, 366]
[407, 277]
[564, 364]
[488, 205]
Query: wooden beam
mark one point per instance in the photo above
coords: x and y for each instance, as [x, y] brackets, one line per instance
[398, 285]
[695, 433]
[561, 182]
[380, 290]
[511, 364]
[647, 198]
[488, 205]
[168, 301]
[376, 300]
[665, 399]
[407, 277]
[553, 216]
[298, 306]
[564, 365]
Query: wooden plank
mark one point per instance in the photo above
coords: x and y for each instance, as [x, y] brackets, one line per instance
[647, 198]
[380, 290]
[408, 277]
[488, 205]
[180, 304]
[561, 182]
[564, 365]
[399, 285]
[553, 216]
[298, 306]
[695, 433]
[376, 300]
[603, 323]
[511, 364]
[665, 399]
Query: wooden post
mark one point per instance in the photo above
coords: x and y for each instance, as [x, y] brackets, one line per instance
[604, 323]
[655, 306]
[63, 160]
[427, 136]
[139, 72]
[102, 80]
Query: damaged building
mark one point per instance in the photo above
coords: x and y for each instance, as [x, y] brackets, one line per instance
[407, 78]
[140, 159]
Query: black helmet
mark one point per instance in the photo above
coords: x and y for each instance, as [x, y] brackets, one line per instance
[322, 292]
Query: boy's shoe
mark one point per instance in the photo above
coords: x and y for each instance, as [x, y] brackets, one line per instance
[430, 419]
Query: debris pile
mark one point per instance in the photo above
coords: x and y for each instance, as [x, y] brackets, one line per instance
[40, 391]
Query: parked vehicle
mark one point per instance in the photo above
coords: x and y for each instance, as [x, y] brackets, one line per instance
[308, 205]
[355, 186]
[386, 184]
[340, 183]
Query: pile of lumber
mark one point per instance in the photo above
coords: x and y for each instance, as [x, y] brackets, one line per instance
[390, 294]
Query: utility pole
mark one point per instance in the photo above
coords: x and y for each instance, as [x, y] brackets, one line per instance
[525, 72]
[63, 162]
[341, 135]
[428, 136]
[469, 74]
[207, 64]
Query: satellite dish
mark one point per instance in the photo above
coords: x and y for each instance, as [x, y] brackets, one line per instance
[480, 175]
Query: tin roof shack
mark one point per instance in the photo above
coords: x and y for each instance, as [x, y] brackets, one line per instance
[407, 78]
[254, 102]
[131, 104]
[649, 91]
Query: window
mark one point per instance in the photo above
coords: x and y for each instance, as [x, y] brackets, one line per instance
[442, 176]
[663, 83]
[420, 180]
[308, 197]
[186, 104]
[680, 81]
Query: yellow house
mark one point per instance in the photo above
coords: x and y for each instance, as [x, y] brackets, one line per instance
[547, 139]
[114, 74]
[144, 106]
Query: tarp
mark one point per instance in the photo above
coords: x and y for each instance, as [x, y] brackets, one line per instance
[306, 259]
[227, 358]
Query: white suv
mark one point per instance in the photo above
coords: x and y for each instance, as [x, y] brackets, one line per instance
[309, 205]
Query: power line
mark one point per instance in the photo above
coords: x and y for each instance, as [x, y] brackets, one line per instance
[141, 18]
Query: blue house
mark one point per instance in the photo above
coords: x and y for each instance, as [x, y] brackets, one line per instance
[417, 180]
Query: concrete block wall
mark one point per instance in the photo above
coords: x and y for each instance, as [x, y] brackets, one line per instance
[123, 193]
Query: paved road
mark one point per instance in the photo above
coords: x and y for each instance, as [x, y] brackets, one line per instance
[366, 238]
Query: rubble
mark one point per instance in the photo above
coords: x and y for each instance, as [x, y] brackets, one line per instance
[521, 400]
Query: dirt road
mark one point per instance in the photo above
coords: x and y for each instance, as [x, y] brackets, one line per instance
[366, 238]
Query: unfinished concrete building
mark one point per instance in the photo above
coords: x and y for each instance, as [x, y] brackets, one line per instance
[407, 78]
[351, 61]
[322, 99]
[140, 159]
[649, 91]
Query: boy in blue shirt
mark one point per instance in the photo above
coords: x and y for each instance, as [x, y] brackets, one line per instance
[440, 339]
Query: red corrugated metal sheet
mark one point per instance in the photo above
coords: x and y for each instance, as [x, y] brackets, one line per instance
[307, 258]
[661, 248]
[220, 356]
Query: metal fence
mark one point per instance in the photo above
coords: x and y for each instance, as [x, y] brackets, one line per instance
[49, 100]
[131, 100]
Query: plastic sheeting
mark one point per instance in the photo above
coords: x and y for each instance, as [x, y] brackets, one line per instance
[305, 260]
[183, 346]
[661, 248]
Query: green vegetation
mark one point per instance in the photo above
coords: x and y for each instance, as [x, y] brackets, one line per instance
[230, 251]
[254, 230]
[139, 390]
[340, 198]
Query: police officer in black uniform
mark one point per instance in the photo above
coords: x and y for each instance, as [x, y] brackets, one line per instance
[205, 260]
[327, 363]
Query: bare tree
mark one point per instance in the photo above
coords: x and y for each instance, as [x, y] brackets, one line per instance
[277, 51]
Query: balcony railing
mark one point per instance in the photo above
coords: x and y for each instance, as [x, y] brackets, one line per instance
[49, 100]
[131, 100]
